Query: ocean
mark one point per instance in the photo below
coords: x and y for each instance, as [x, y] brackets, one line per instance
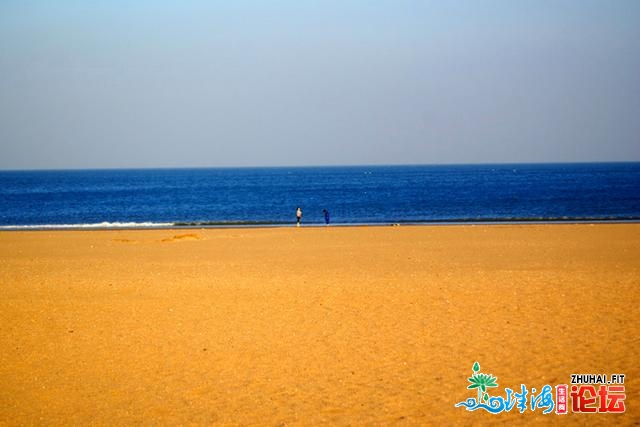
[353, 195]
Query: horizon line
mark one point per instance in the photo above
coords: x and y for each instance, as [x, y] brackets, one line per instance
[346, 165]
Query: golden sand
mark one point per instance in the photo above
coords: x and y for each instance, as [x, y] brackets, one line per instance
[358, 325]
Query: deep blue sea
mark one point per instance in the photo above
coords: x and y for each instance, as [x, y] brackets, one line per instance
[353, 195]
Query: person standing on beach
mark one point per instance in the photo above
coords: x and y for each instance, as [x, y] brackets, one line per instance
[298, 216]
[326, 216]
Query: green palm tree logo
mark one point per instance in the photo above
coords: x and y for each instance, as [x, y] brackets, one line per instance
[481, 382]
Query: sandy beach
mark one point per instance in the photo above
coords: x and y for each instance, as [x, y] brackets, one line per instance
[303, 326]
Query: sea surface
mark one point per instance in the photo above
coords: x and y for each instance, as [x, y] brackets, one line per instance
[353, 195]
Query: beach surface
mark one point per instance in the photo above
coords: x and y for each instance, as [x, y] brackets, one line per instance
[308, 326]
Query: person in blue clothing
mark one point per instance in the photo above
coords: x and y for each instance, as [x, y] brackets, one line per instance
[326, 216]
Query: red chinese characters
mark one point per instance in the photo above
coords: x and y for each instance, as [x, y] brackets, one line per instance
[561, 399]
[586, 399]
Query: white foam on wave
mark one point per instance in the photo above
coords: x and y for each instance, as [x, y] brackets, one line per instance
[94, 225]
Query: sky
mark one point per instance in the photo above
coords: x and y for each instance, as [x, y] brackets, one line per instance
[153, 83]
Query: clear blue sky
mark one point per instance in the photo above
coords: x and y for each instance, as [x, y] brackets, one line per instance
[266, 83]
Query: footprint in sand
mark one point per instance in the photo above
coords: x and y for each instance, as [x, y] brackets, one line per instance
[124, 241]
[182, 238]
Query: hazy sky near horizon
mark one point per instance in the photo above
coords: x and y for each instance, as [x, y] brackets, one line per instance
[246, 83]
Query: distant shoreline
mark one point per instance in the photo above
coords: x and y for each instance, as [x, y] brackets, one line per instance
[265, 224]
